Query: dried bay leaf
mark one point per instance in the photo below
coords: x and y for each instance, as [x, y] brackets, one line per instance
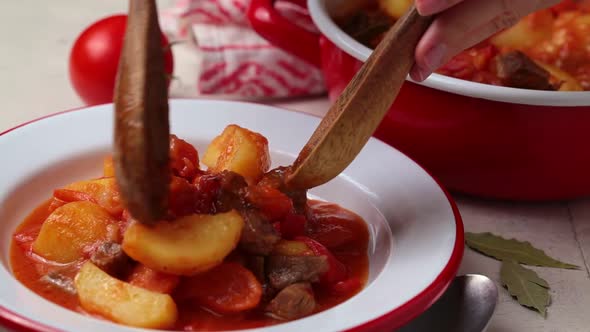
[512, 249]
[529, 289]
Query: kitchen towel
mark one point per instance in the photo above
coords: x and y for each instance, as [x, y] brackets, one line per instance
[235, 60]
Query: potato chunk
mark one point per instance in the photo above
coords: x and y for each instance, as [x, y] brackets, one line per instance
[185, 246]
[568, 82]
[291, 248]
[72, 227]
[108, 167]
[239, 150]
[395, 8]
[528, 32]
[122, 302]
[103, 191]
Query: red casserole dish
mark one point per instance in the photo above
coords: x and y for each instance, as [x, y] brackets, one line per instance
[479, 139]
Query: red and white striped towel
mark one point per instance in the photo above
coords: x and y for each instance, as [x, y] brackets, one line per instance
[235, 59]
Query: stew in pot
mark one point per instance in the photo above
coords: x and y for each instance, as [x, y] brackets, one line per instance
[547, 50]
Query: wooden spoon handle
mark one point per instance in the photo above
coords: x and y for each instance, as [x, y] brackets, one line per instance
[141, 150]
[358, 111]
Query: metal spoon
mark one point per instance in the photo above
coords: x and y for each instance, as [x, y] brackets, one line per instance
[467, 306]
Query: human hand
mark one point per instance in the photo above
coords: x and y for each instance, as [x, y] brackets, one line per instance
[460, 24]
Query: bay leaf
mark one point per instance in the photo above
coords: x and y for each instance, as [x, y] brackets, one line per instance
[529, 289]
[512, 249]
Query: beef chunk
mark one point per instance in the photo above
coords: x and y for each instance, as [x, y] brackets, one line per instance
[517, 70]
[367, 26]
[258, 235]
[60, 280]
[256, 265]
[294, 301]
[268, 293]
[218, 192]
[286, 270]
[230, 192]
[111, 258]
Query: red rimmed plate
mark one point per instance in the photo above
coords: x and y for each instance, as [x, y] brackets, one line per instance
[416, 232]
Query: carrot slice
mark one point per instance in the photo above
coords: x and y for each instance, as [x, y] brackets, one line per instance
[227, 288]
[143, 276]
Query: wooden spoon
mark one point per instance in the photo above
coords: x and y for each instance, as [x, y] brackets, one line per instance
[355, 115]
[141, 150]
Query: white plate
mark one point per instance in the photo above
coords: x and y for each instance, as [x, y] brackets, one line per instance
[416, 235]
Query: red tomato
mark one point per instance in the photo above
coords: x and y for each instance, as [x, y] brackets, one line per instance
[95, 57]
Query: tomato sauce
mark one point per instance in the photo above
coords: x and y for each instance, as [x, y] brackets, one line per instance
[344, 233]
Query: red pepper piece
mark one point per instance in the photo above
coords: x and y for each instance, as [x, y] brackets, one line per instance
[208, 187]
[336, 271]
[277, 226]
[184, 158]
[182, 197]
[55, 203]
[292, 226]
[272, 203]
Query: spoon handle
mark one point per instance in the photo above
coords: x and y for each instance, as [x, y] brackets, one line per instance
[141, 116]
[355, 115]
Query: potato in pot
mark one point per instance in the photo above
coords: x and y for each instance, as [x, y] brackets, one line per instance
[567, 81]
[395, 8]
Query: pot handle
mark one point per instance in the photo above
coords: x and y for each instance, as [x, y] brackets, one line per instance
[279, 31]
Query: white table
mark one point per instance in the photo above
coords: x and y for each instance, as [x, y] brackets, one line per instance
[37, 37]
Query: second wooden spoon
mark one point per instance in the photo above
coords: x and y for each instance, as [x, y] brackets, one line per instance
[141, 116]
[355, 115]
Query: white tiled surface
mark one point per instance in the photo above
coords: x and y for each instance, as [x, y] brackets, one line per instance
[37, 36]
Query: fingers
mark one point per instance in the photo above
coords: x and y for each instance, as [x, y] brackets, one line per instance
[464, 25]
[430, 7]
